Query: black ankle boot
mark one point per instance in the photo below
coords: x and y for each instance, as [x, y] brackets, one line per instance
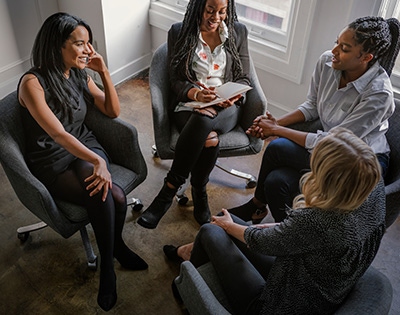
[246, 211]
[160, 205]
[201, 209]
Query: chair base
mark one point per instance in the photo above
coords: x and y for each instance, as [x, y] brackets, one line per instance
[135, 204]
[251, 180]
[24, 231]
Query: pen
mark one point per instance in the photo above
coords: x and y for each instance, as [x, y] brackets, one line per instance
[206, 88]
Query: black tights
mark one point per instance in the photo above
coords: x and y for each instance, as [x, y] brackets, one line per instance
[107, 218]
[190, 154]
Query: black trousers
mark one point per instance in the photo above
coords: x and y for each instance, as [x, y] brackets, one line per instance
[190, 154]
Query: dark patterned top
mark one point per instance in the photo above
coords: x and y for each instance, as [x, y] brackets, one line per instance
[45, 158]
[320, 255]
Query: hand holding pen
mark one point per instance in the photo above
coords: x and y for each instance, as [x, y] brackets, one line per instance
[205, 94]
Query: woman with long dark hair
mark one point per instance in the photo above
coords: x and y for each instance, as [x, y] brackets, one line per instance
[61, 151]
[206, 50]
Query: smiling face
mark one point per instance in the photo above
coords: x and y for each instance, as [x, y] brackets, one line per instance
[76, 49]
[213, 15]
[348, 55]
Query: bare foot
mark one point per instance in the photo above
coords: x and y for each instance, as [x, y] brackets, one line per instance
[184, 251]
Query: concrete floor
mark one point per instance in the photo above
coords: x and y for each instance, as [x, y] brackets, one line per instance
[48, 274]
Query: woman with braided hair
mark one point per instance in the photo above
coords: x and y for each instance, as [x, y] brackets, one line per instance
[206, 50]
[350, 87]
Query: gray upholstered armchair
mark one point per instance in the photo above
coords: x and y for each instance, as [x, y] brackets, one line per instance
[234, 143]
[128, 170]
[202, 293]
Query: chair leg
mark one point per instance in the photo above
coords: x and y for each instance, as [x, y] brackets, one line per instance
[251, 180]
[91, 257]
[180, 195]
[23, 231]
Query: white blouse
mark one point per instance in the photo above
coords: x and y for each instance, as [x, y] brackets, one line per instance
[208, 65]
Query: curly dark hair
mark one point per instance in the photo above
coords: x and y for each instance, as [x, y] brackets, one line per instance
[379, 37]
[48, 61]
[189, 35]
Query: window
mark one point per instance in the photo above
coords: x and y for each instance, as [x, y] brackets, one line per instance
[267, 20]
[277, 29]
[391, 8]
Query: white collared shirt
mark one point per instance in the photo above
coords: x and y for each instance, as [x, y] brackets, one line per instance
[363, 106]
[210, 66]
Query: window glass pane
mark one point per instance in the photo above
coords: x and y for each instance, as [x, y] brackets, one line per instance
[265, 19]
[265, 13]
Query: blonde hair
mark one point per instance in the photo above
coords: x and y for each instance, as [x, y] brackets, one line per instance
[344, 170]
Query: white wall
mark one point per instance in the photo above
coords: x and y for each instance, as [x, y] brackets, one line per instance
[120, 29]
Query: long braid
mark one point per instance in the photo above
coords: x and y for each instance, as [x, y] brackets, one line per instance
[388, 60]
[188, 37]
[379, 37]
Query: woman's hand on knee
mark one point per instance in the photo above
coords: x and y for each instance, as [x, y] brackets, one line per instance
[99, 180]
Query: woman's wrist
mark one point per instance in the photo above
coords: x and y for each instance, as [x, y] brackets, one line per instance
[195, 95]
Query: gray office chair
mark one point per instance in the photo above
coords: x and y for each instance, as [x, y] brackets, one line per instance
[202, 292]
[392, 179]
[128, 170]
[233, 143]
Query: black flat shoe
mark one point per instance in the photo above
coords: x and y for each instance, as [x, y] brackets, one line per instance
[172, 253]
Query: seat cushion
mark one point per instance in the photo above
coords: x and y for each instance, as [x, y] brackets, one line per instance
[124, 178]
[234, 139]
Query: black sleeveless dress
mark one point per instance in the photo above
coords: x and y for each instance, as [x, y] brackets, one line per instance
[45, 158]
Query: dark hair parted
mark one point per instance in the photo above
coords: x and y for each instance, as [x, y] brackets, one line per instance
[189, 35]
[48, 61]
[379, 37]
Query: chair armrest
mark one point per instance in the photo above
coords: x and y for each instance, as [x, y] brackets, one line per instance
[256, 105]
[160, 99]
[392, 192]
[196, 294]
[119, 139]
[372, 295]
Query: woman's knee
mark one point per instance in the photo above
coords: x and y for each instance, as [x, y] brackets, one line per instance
[210, 233]
[119, 198]
[212, 140]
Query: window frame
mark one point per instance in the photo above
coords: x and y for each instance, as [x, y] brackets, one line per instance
[388, 9]
[284, 60]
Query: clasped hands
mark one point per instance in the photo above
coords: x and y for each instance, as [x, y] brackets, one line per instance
[263, 126]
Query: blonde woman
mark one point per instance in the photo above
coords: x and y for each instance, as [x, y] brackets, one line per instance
[308, 263]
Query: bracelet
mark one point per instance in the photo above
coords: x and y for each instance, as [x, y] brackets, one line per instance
[195, 95]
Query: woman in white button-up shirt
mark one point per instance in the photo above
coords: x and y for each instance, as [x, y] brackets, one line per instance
[350, 88]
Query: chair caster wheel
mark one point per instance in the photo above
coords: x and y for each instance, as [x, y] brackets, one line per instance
[23, 237]
[182, 199]
[154, 151]
[92, 265]
[136, 204]
[251, 183]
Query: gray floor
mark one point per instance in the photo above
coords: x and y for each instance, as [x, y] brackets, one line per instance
[48, 274]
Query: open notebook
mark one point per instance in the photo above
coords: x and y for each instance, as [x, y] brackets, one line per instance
[225, 92]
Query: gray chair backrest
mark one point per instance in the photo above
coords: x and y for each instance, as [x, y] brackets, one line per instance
[166, 133]
[30, 191]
